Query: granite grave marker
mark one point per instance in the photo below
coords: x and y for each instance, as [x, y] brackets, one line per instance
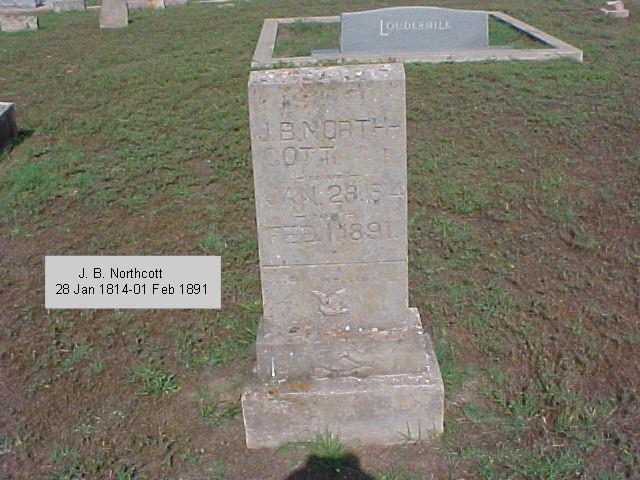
[338, 347]
[68, 5]
[413, 29]
[114, 14]
[21, 3]
[17, 23]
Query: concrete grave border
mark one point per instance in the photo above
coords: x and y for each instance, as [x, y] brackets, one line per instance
[263, 55]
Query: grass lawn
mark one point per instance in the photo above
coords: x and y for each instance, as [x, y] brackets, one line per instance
[524, 225]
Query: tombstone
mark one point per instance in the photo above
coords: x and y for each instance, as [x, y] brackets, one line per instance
[68, 5]
[8, 129]
[174, 3]
[114, 14]
[21, 3]
[338, 347]
[616, 10]
[17, 23]
[135, 4]
[413, 29]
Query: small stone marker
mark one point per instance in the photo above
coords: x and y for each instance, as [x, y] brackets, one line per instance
[616, 10]
[68, 5]
[413, 29]
[21, 3]
[8, 129]
[17, 23]
[114, 14]
[136, 4]
[338, 347]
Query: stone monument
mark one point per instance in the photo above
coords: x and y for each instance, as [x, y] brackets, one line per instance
[8, 130]
[413, 29]
[615, 9]
[68, 5]
[21, 3]
[338, 347]
[156, 4]
[114, 14]
[17, 23]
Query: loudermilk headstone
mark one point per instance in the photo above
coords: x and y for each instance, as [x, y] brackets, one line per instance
[114, 14]
[413, 29]
[338, 347]
[8, 129]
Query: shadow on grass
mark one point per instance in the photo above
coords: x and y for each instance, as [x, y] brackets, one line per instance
[20, 137]
[345, 467]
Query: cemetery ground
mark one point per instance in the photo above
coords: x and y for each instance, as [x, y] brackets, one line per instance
[524, 245]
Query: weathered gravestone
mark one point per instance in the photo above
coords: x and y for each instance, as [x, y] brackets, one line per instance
[615, 9]
[21, 3]
[68, 5]
[114, 14]
[8, 130]
[17, 23]
[135, 4]
[413, 29]
[338, 347]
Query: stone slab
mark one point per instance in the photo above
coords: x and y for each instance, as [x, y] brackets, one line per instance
[20, 3]
[338, 348]
[137, 4]
[378, 409]
[329, 161]
[614, 13]
[18, 23]
[327, 297]
[8, 129]
[68, 5]
[114, 14]
[348, 351]
[413, 29]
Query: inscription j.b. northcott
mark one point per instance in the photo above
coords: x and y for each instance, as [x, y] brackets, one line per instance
[307, 141]
[309, 130]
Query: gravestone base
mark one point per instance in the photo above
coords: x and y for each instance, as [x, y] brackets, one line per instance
[372, 409]
[347, 351]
